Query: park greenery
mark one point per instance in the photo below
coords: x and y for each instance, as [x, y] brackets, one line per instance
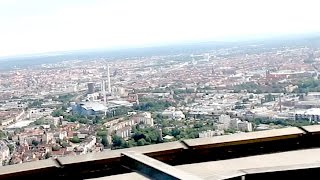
[308, 85]
[36, 103]
[91, 119]
[150, 135]
[281, 122]
[149, 104]
[252, 87]
[66, 98]
[140, 136]
[102, 134]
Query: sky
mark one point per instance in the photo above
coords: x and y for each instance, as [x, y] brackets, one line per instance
[37, 26]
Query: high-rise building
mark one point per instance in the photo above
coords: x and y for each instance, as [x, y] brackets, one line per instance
[225, 120]
[245, 126]
[90, 88]
[234, 123]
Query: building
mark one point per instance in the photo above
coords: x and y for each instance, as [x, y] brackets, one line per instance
[245, 126]
[47, 137]
[225, 120]
[124, 132]
[93, 96]
[11, 116]
[171, 113]
[312, 95]
[122, 124]
[234, 123]
[87, 145]
[291, 88]
[210, 133]
[63, 135]
[119, 91]
[146, 114]
[133, 98]
[4, 151]
[144, 118]
[220, 126]
[312, 114]
[90, 88]
[89, 108]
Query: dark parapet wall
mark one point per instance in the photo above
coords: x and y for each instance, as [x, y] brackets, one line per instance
[108, 163]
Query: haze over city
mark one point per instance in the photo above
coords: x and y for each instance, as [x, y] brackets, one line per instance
[38, 26]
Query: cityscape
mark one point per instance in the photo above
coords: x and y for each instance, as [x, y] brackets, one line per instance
[83, 104]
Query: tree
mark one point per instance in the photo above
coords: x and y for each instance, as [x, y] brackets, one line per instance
[269, 98]
[57, 113]
[102, 133]
[2, 134]
[198, 125]
[35, 142]
[39, 122]
[52, 126]
[141, 142]
[75, 139]
[83, 121]
[117, 141]
[104, 141]
[231, 131]
[35, 104]
[97, 119]
[132, 143]
[152, 105]
[48, 155]
[138, 135]
[175, 132]
[56, 148]
[64, 144]
[11, 148]
[245, 100]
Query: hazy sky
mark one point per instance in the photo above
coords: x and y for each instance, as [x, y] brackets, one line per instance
[33, 26]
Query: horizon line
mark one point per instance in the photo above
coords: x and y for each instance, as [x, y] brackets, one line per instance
[238, 39]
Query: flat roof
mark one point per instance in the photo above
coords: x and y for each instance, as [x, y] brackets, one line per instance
[312, 111]
[289, 158]
[126, 176]
[313, 93]
[238, 166]
[239, 137]
[34, 165]
[117, 153]
[142, 161]
[312, 128]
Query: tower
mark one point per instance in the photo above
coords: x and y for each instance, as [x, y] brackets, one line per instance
[103, 84]
[109, 83]
[212, 69]
[280, 103]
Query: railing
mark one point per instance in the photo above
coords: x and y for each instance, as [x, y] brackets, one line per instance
[173, 153]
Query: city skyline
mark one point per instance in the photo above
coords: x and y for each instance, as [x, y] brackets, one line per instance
[77, 103]
[44, 26]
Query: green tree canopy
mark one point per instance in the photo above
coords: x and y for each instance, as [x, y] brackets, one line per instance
[104, 141]
[75, 139]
